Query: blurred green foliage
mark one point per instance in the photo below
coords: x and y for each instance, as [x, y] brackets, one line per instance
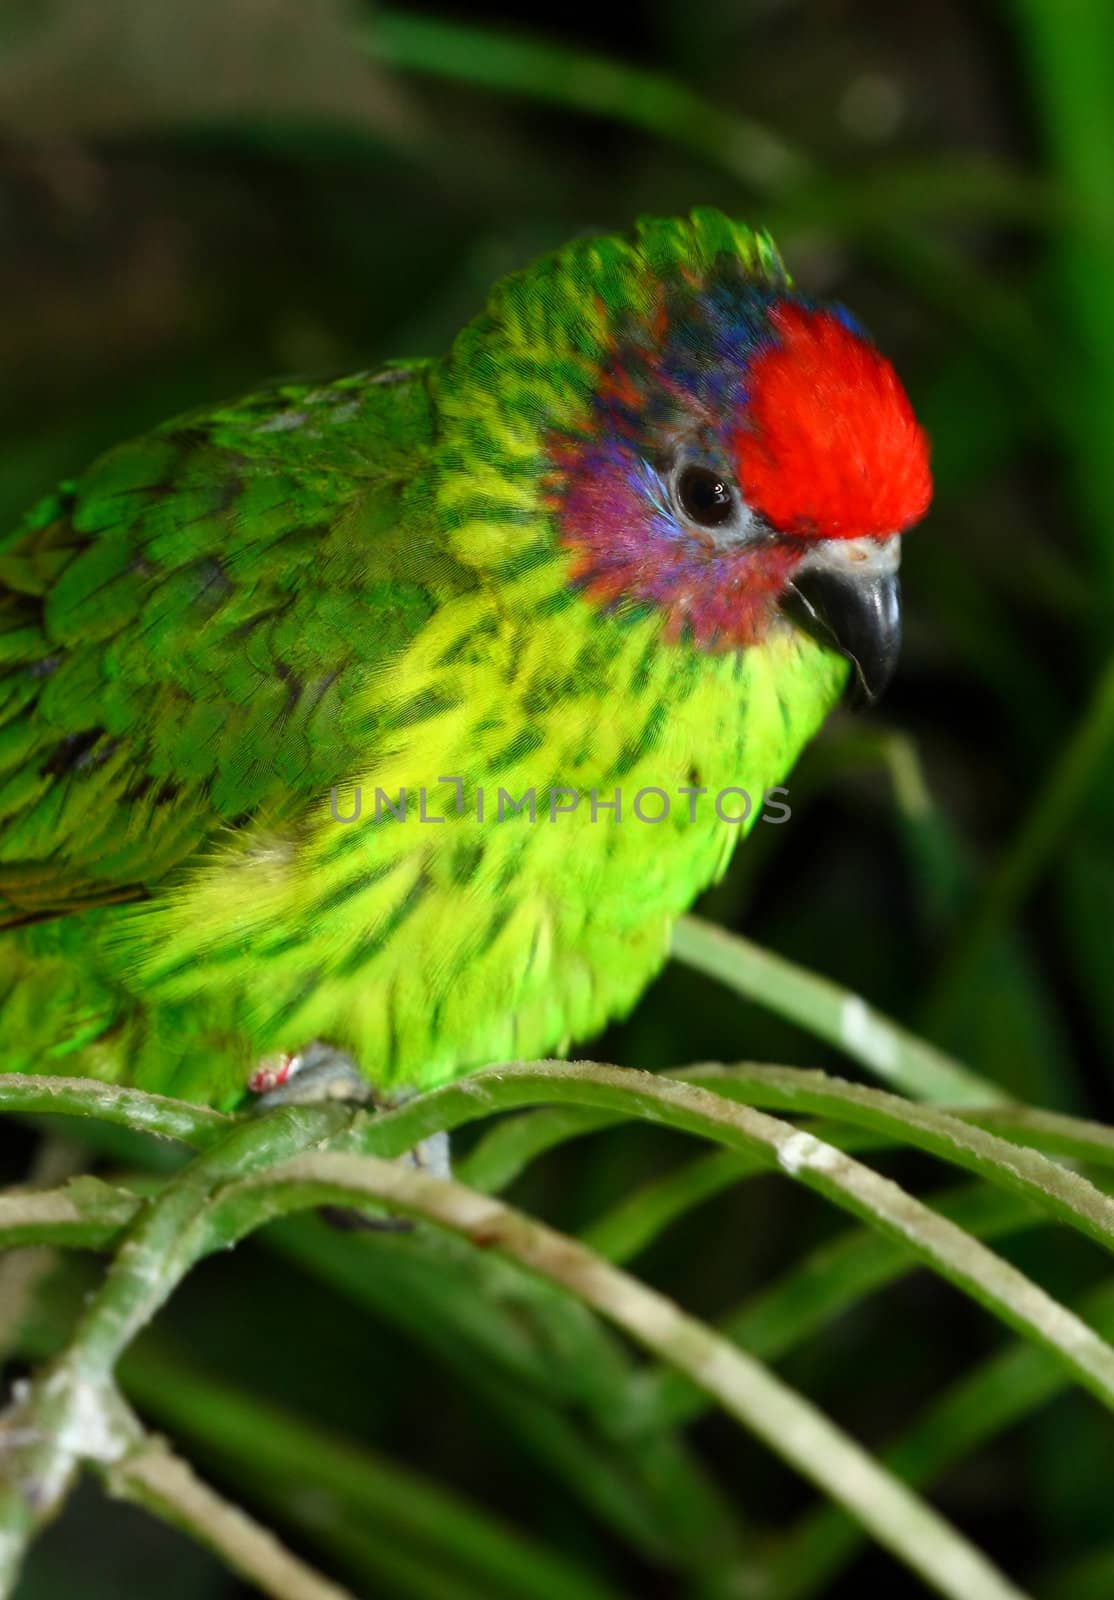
[195, 195]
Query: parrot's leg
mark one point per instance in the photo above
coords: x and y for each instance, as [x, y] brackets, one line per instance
[431, 1154]
[320, 1072]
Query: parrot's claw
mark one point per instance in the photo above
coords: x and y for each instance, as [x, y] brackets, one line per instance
[431, 1156]
[319, 1072]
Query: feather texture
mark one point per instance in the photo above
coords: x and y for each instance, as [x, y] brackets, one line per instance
[257, 621]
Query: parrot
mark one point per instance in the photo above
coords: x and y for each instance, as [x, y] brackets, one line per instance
[328, 716]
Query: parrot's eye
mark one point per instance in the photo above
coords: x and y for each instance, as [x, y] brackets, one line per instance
[705, 496]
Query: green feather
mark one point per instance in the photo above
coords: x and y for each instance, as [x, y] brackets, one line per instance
[356, 584]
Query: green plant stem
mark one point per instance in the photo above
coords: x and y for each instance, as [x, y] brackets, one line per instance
[226, 1192]
[83, 1214]
[168, 1235]
[661, 1500]
[148, 1474]
[754, 1396]
[135, 1284]
[836, 1015]
[289, 1462]
[67, 1413]
[821, 1167]
[997, 1395]
[156, 1114]
[838, 1275]
[1066, 1195]
[806, 1299]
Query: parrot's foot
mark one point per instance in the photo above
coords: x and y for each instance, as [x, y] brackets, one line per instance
[319, 1072]
[431, 1155]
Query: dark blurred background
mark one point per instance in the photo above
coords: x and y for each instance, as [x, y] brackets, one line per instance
[196, 195]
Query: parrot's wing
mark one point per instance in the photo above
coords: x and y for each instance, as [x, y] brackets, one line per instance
[184, 630]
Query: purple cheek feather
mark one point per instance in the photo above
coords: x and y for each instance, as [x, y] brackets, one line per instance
[630, 546]
[819, 433]
[630, 549]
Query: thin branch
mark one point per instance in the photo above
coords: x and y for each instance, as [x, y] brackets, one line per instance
[85, 1214]
[66, 1413]
[151, 1476]
[831, 1172]
[999, 1394]
[839, 1016]
[90, 1214]
[811, 1294]
[401, 1513]
[1067, 1195]
[810, 1161]
[785, 1421]
[157, 1114]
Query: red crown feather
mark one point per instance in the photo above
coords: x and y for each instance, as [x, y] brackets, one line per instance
[830, 447]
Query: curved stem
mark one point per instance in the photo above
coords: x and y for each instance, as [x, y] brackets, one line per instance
[158, 1114]
[820, 1166]
[838, 1275]
[1067, 1195]
[1012, 1384]
[248, 1177]
[785, 1421]
[839, 1016]
[85, 1214]
[150, 1475]
[679, 1103]
[66, 1413]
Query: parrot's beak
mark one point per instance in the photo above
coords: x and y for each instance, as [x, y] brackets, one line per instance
[848, 596]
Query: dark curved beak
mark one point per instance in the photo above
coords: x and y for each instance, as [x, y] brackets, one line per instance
[858, 616]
